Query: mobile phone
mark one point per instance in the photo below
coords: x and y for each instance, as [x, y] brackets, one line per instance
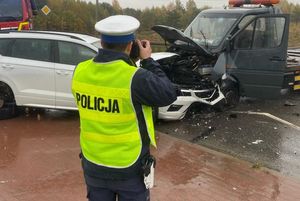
[135, 51]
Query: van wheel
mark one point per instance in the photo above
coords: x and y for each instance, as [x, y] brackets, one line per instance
[8, 107]
[231, 100]
[232, 97]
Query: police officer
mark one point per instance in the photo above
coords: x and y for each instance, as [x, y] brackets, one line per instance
[114, 98]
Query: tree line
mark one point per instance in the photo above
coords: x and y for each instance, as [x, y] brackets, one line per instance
[80, 16]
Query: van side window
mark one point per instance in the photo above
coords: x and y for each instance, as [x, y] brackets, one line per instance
[268, 32]
[71, 53]
[264, 32]
[244, 39]
[34, 49]
[4, 46]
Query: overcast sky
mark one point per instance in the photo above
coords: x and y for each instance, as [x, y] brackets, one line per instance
[150, 3]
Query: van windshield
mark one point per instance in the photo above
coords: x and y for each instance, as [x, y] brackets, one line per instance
[209, 29]
[11, 10]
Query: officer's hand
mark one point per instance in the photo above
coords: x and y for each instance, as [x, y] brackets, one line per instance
[145, 49]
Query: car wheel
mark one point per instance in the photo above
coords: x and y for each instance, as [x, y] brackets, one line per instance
[8, 107]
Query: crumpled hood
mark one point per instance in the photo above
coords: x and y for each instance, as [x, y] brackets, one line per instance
[174, 36]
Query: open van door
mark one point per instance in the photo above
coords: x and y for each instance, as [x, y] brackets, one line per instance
[258, 56]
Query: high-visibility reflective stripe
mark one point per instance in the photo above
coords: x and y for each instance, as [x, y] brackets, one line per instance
[105, 91]
[297, 78]
[147, 112]
[111, 139]
[104, 117]
[297, 87]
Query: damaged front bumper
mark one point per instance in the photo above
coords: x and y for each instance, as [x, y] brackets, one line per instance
[178, 109]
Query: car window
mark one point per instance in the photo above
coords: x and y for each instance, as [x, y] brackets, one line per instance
[71, 53]
[4, 46]
[34, 49]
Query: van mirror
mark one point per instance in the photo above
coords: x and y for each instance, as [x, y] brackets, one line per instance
[227, 44]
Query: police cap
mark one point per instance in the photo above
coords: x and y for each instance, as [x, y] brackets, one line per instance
[117, 28]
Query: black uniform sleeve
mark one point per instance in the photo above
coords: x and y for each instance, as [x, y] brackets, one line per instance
[150, 85]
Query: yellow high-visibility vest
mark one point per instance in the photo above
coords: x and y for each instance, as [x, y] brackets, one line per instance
[109, 131]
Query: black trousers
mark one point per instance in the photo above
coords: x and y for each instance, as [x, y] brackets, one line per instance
[125, 190]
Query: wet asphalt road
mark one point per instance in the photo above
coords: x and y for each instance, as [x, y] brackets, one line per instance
[259, 139]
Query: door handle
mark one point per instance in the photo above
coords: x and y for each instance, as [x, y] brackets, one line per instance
[63, 72]
[276, 58]
[58, 72]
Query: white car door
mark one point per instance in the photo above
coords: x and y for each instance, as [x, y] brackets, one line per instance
[69, 55]
[30, 69]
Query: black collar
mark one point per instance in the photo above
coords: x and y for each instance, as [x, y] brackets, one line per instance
[105, 55]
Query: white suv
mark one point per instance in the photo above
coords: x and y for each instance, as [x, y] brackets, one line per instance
[36, 68]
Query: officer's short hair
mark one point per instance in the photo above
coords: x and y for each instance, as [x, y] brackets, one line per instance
[119, 47]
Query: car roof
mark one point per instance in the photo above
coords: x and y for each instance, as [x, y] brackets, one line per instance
[52, 35]
[87, 38]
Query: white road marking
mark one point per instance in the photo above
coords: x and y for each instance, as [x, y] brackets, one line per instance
[270, 116]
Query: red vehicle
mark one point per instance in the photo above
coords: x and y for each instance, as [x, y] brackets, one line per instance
[17, 14]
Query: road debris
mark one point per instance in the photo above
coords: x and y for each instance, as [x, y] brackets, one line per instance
[288, 103]
[256, 166]
[204, 135]
[257, 142]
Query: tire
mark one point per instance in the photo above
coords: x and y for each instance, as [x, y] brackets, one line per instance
[232, 98]
[8, 107]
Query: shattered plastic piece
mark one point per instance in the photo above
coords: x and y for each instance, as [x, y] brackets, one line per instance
[234, 188]
[275, 128]
[257, 141]
[3, 182]
[176, 130]
[288, 103]
[240, 128]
